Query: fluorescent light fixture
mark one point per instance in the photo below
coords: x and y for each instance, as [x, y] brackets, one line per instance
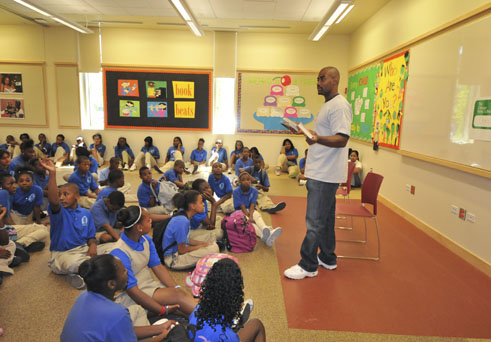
[54, 17]
[183, 9]
[344, 14]
[332, 14]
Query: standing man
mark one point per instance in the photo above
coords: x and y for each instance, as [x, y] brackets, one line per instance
[326, 168]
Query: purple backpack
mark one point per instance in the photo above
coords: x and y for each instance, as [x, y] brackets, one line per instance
[240, 232]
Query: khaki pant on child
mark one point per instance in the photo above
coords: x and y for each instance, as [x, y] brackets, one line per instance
[67, 262]
[144, 159]
[86, 202]
[158, 209]
[263, 201]
[287, 166]
[170, 164]
[178, 261]
[228, 206]
[29, 233]
[4, 263]
[201, 233]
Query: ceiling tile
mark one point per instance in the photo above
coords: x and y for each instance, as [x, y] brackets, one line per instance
[258, 10]
[317, 10]
[227, 9]
[202, 9]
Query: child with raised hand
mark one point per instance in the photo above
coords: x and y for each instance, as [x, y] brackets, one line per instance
[180, 250]
[43, 147]
[104, 320]
[220, 306]
[123, 151]
[174, 153]
[174, 175]
[148, 156]
[218, 154]
[302, 180]
[222, 188]
[72, 229]
[287, 160]
[29, 236]
[104, 213]
[6, 163]
[28, 198]
[245, 198]
[200, 223]
[236, 154]
[137, 252]
[85, 182]
[148, 192]
[354, 158]
[243, 164]
[60, 152]
[97, 149]
[198, 156]
[27, 153]
[260, 179]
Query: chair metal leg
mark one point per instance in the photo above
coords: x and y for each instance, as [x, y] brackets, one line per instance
[342, 227]
[377, 258]
[355, 241]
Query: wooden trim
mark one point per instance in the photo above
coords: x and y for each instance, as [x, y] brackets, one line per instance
[454, 24]
[268, 71]
[454, 247]
[67, 65]
[156, 67]
[45, 85]
[442, 162]
[23, 62]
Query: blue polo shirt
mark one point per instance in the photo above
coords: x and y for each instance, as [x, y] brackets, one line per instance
[198, 156]
[211, 332]
[93, 165]
[103, 174]
[46, 149]
[10, 170]
[245, 199]
[101, 148]
[41, 180]
[177, 231]
[222, 154]
[198, 217]
[301, 164]
[171, 152]
[93, 317]
[17, 162]
[144, 194]
[105, 192]
[25, 201]
[293, 152]
[258, 173]
[101, 215]
[118, 152]
[236, 152]
[221, 186]
[171, 176]
[153, 260]
[4, 147]
[84, 182]
[70, 228]
[153, 150]
[6, 200]
[241, 164]
[55, 146]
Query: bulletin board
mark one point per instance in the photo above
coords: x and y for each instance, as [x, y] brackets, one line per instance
[157, 99]
[265, 98]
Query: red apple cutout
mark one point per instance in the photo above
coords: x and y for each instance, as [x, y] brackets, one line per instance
[286, 80]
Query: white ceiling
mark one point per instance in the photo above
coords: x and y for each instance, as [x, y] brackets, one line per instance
[292, 16]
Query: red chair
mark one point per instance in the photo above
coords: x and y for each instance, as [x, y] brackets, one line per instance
[369, 193]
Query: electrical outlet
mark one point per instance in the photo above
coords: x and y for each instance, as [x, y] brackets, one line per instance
[408, 187]
[462, 213]
[413, 189]
[454, 209]
[471, 217]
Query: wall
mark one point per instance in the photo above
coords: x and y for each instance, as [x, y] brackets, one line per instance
[437, 187]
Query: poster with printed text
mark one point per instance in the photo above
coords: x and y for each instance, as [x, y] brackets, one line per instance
[389, 100]
[361, 96]
[264, 99]
[11, 83]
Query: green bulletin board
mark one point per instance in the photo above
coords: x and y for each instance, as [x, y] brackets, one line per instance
[361, 96]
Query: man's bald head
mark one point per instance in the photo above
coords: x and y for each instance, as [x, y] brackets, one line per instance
[332, 72]
[327, 82]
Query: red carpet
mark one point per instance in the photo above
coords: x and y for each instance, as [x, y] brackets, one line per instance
[417, 288]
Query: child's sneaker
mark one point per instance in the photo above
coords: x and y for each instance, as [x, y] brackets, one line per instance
[296, 272]
[156, 168]
[126, 167]
[277, 171]
[75, 281]
[275, 233]
[266, 234]
[133, 167]
[278, 207]
[302, 182]
[245, 313]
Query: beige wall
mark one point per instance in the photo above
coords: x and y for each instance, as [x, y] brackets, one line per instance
[437, 187]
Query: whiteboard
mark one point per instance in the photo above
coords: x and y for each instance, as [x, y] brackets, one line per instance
[446, 75]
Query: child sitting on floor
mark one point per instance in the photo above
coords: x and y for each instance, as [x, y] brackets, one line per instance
[200, 222]
[26, 154]
[85, 182]
[243, 163]
[60, 152]
[123, 151]
[28, 198]
[245, 198]
[104, 173]
[97, 149]
[236, 154]
[7, 248]
[148, 192]
[43, 148]
[6, 163]
[149, 154]
[222, 188]
[104, 213]
[174, 175]
[116, 181]
[302, 180]
[260, 180]
[198, 156]
[174, 153]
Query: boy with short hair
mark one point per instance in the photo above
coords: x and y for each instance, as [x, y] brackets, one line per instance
[245, 198]
[116, 181]
[242, 164]
[174, 175]
[222, 188]
[148, 192]
[26, 154]
[104, 213]
[85, 182]
[104, 173]
[198, 156]
[60, 152]
[260, 180]
[72, 229]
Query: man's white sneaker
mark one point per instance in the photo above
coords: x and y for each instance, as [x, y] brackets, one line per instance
[275, 233]
[296, 272]
[326, 266]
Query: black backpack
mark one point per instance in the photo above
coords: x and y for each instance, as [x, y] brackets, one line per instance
[159, 231]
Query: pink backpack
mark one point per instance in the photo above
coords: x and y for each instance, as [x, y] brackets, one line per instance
[195, 278]
[240, 232]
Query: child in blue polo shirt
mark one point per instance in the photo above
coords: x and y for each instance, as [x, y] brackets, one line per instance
[174, 153]
[104, 213]
[201, 220]
[287, 160]
[41, 179]
[260, 180]
[27, 153]
[85, 182]
[60, 152]
[28, 198]
[72, 229]
[198, 156]
[174, 175]
[302, 180]
[116, 181]
[30, 236]
[6, 163]
[222, 188]
[218, 154]
[103, 174]
[43, 147]
[236, 154]
[124, 152]
[245, 198]
[148, 192]
[97, 148]
[148, 156]
[243, 164]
